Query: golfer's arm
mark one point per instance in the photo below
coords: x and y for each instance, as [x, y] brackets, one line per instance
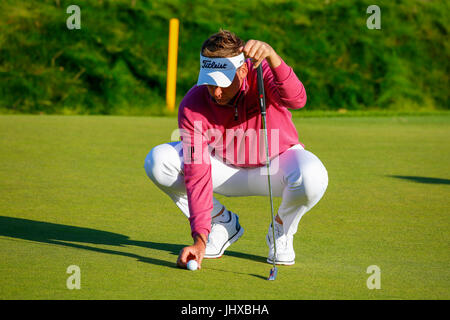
[283, 86]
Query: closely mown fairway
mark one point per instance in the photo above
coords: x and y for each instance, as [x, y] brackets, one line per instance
[73, 191]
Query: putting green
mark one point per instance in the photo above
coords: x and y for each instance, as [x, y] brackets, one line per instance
[74, 192]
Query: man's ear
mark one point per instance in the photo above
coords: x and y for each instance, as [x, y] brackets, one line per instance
[243, 71]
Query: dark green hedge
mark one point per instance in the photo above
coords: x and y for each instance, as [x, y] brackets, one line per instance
[116, 63]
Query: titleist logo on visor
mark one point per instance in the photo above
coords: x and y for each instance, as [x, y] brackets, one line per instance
[209, 64]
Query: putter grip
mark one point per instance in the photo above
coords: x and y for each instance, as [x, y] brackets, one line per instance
[262, 97]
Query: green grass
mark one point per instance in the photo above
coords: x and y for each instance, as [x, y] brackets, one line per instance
[74, 192]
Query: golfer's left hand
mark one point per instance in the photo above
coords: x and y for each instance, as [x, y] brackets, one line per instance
[194, 252]
[258, 51]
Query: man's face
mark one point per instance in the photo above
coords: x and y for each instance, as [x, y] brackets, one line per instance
[223, 95]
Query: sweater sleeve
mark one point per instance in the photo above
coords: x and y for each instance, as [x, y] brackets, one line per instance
[197, 172]
[283, 87]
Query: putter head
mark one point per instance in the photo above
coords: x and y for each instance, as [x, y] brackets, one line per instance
[273, 273]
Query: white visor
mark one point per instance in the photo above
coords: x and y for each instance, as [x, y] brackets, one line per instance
[219, 71]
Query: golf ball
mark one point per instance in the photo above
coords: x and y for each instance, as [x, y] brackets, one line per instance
[192, 265]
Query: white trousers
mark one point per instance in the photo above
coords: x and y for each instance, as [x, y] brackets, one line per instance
[297, 176]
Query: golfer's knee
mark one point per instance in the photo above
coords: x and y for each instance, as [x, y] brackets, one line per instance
[161, 165]
[315, 180]
[309, 181]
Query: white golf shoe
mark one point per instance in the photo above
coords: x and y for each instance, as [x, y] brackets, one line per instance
[284, 243]
[225, 230]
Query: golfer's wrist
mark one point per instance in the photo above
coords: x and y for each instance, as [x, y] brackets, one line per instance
[273, 59]
[200, 240]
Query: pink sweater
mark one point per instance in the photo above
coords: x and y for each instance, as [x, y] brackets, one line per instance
[233, 132]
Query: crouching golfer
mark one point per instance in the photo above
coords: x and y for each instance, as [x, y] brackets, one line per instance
[222, 149]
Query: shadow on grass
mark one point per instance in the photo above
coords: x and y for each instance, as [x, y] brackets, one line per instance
[423, 179]
[64, 235]
[247, 256]
[237, 272]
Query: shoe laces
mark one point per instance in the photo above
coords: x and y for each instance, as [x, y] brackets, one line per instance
[223, 218]
[280, 237]
[220, 220]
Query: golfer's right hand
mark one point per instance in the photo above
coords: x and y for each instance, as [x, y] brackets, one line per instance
[194, 252]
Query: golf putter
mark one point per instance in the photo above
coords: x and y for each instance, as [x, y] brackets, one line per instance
[262, 102]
